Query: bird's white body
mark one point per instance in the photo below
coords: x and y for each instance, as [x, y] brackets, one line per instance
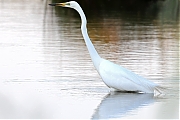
[120, 78]
[113, 75]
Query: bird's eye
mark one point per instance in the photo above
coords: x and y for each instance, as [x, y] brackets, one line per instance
[68, 4]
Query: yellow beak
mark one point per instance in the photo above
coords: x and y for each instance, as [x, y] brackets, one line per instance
[58, 4]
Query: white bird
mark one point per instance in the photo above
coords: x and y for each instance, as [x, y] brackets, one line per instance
[113, 75]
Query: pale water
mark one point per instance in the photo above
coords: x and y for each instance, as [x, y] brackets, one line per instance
[46, 71]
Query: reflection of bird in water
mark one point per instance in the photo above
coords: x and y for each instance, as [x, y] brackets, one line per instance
[119, 104]
[113, 75]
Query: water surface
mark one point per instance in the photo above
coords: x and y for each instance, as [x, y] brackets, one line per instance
[46, 71]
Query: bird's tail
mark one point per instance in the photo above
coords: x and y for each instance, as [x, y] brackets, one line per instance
[160, 89]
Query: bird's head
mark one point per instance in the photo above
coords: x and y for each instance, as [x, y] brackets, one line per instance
[70, 4]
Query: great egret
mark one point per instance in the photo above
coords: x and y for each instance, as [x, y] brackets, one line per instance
[113, 75]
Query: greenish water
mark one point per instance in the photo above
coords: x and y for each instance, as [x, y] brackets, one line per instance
[46, 71]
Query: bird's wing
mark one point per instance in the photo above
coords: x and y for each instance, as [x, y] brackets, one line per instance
[115, 74]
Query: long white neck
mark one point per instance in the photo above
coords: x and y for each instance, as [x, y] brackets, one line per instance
[93, 53]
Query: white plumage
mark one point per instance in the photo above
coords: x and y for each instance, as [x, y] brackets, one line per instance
[120, 78]
[113, 75]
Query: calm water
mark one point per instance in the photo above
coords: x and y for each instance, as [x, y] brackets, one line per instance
[46, 71]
